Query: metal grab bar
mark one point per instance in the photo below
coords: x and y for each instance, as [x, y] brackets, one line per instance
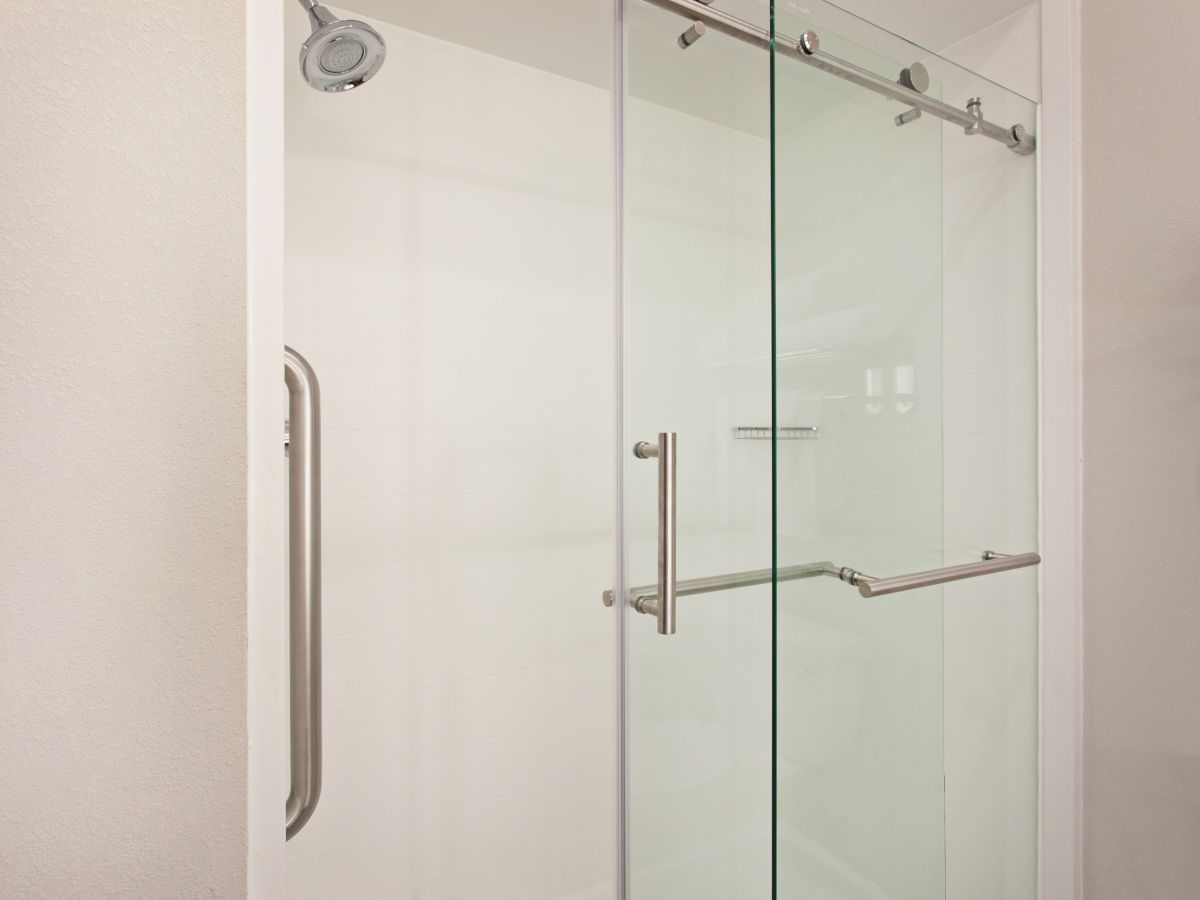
[992, 562]
[807, 49]
[304, 583]
[645, 599]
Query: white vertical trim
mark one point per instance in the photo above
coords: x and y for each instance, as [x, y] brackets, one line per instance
[267, 498]
[1060, 818]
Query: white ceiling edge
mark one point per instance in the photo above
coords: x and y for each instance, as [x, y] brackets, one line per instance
[1007, 52]
[571, 38]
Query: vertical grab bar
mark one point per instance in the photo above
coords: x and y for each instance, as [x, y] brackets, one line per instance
[304, 583]
[664, 452]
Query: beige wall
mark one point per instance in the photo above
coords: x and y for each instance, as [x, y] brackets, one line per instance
[1141, 303]
[122, 450]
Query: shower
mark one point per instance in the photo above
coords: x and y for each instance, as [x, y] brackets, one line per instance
[340, 54]
[651, 667]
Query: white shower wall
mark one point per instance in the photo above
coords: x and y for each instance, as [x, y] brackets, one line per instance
[450, 277]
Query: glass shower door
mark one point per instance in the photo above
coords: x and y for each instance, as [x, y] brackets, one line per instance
[697, 368]
[858, 354]
[904, 303]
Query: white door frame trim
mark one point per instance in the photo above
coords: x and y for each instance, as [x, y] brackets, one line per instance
[1060, 818]
[266, 613]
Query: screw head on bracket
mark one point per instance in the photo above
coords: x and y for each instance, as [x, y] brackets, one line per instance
[809, 43]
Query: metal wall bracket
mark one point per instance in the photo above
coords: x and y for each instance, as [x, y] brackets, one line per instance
[975, 108]
[692, 35]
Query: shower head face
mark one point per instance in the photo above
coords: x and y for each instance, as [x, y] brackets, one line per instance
[341, 54]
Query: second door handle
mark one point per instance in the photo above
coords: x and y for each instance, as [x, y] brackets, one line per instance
[664, 452]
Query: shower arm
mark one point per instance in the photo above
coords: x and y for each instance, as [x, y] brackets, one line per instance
[317, 14]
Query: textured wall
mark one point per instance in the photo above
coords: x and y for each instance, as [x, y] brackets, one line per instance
[1141, 309]
[122, 450]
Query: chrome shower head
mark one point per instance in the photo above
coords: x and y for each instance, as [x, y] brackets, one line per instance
[340, 54]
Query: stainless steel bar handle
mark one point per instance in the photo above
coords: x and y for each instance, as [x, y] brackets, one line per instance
[304, 584]
[664, 452]
[992, 563]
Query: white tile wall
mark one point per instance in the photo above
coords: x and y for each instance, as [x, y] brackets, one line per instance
[457, 306]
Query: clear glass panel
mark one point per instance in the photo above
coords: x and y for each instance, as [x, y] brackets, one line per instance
[905, 304]
[859, 356]
[697, 362]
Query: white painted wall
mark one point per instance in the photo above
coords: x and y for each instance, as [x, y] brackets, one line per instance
[1141, 414]
[122, 392]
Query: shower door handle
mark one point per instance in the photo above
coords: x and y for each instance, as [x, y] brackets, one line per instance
[663, 607]
[304, 584]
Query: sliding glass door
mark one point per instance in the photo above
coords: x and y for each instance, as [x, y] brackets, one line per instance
[904, 304]
[697, 368]
[858, 354]
[828, 461]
